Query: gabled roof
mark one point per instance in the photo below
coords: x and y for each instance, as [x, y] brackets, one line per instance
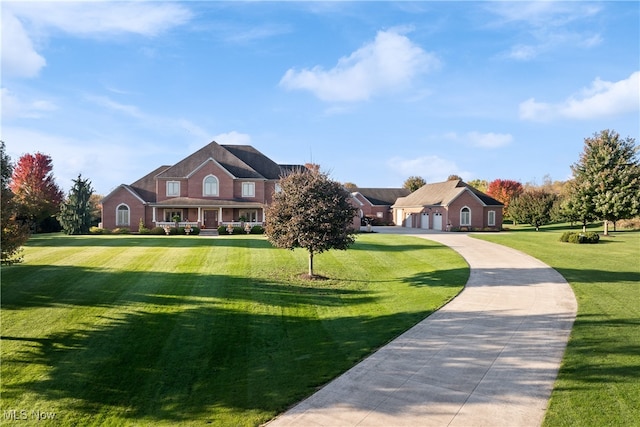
[229, 161]
[382, 196]
[442, 194]
[256, 160]
[144, 188]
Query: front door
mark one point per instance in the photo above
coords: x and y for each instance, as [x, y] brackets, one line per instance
[210, 218]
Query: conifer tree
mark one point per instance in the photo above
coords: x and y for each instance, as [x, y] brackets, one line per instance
[607, 177]
[76, 210]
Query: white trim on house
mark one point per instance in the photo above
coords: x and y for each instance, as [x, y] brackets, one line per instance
[126, 223]
[462, 215]
[210, 159]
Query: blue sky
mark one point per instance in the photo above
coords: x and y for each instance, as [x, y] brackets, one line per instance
[374, 92]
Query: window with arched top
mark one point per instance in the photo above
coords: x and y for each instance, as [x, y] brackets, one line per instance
[122, 216]
[465, 216]
[210, 186]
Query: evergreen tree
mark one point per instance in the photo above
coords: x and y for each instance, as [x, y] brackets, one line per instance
[607, 176]
[76, 211]
[14, 234]
[311, 212]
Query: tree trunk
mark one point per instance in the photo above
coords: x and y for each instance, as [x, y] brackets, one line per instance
[310, 264]
[606, 227]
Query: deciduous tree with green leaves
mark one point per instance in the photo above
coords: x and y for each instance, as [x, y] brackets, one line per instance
[413, 183]
[533, 207]
[76, 210]
[14, 233]
[607, 176]
[311, 212]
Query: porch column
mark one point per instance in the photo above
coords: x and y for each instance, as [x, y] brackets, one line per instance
[154, 215]
[219, 214]
[199, 215]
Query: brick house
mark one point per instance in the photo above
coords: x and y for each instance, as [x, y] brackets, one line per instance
[216, 184]
[448, 205]
[375, 203]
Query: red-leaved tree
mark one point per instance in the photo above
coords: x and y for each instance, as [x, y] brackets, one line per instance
[35, 189]
[504, 190]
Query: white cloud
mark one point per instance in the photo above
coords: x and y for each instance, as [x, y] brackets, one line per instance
[22, 22]
[389, 63]
[103, 18]
[14, 107]
[601, 99]
[233, 138]
[19, 57]
[431, 168]
[548, 26]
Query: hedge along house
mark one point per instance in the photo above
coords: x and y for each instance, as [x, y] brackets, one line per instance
[216, 185]
[375, 203]
[449, 205]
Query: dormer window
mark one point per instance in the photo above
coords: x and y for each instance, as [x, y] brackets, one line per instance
[173, 188]
[248, 189]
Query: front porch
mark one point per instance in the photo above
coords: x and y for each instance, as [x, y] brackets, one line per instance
[209, 215]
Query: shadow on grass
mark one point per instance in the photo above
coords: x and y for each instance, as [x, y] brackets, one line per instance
[195, 364]
[92, 287]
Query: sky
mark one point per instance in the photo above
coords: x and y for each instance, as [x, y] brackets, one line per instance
[373, 92]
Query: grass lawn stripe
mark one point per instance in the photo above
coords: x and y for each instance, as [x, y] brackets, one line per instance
[185, 330]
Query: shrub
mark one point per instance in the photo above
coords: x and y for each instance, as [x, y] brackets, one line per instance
[579, 237]
[257, 229]
[121, 230]
[98, 230]
[222, 230]
[157, 231]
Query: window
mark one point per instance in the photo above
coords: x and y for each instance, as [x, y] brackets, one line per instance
[169, 215]
[122, 216]
[210, 186]
[173, 188]
[465, 216]
[491, 219]
[278, 187]
[380, 214]
[249, 215]
[248, 189]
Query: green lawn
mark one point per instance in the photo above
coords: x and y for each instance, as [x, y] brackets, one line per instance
[599, 380]
[169, 330]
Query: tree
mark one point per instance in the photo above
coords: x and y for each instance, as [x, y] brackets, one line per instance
[350, 186]
[504, 190]
[533, 207]
[14, 234]
[607, 174]
[311, 212]
[454, 178]
[76, 211]
[96, 208]
[576, 206]
[413, 183]
[479, 184]
[35, 188]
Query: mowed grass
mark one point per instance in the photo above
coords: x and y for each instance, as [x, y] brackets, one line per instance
[599, 380]
[169, 330]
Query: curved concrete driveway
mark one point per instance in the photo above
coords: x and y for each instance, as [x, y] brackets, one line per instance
[488, 358]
